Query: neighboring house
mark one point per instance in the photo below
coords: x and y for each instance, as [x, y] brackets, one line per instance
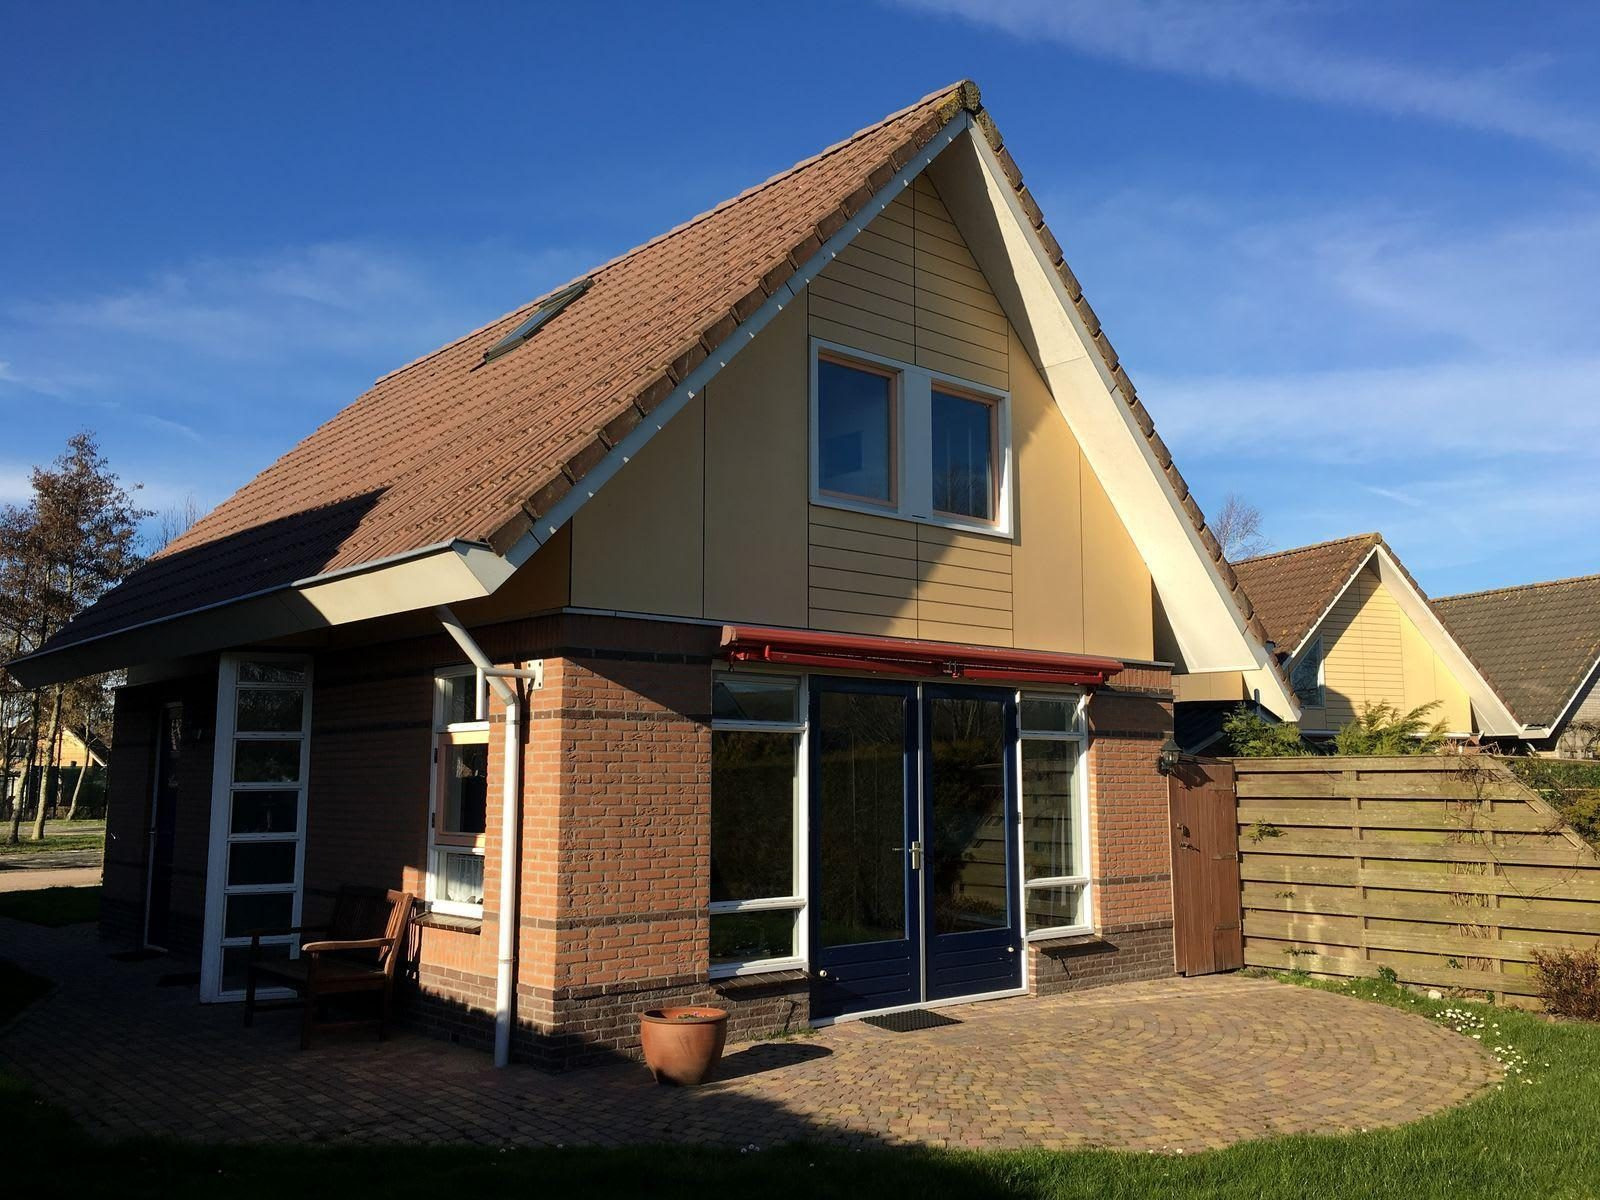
[1540, 644]
[839, 563]
[74, 753]
[1351, 627]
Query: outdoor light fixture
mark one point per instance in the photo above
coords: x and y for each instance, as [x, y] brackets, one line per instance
[1167, 760]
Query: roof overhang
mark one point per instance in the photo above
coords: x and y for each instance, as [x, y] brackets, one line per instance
[914, 659]
[446, 573]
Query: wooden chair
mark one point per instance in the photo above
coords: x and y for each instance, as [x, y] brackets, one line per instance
[351, 960]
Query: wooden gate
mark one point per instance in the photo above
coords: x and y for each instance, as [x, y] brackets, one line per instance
[1207, 913]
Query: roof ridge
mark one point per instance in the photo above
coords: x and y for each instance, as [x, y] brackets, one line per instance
[1519, 587]
[1372, 539]
[970, 95]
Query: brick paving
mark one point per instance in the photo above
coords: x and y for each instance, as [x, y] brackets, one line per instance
[1151, 1066]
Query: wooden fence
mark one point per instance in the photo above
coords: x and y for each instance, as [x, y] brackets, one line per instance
[1445, 869]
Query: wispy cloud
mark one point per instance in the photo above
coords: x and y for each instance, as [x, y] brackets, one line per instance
[1276, 46]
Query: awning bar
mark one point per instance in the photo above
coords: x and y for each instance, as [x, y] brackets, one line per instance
[916, 659]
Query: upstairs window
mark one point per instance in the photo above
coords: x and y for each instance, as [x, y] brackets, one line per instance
[897, 439]
[1307, 678]
[855, 431]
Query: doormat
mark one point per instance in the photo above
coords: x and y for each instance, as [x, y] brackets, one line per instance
[910, 1022]
[136, 955]
[179, 979]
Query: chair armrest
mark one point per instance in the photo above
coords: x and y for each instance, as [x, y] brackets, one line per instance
[377, 943]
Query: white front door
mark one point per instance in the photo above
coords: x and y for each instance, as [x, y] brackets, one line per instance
[258, 814]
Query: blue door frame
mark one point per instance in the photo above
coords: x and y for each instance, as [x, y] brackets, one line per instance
[921, 964]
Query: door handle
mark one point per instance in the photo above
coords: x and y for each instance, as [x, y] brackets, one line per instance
[916, 854]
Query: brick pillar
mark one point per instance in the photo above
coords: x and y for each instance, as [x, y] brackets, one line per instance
[1129, 846]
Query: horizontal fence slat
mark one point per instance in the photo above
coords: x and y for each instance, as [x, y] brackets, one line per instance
[1334, 901]
[1258, 955]
[1396, 815]
[1375, 787]
[1298, 928]
[1564, 855]
[1318, 764]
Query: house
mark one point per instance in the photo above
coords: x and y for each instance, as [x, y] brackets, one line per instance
[791, 602]
[1540, 644]
[74, 753]
[1352, 627]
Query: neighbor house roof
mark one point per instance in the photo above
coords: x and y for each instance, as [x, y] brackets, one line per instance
[1295, 589]
[1539, 643]
[1292, 589]
[462, 450]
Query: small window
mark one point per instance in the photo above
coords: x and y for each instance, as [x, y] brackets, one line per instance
[964, 475]
[1307, 679]
[855, 430]
[756, 886]
[546, 310]
[460, 792]
[1055, 853]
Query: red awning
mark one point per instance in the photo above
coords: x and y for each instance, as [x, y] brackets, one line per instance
[903, 656]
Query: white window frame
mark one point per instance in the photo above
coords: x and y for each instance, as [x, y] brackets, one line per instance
[439, 730]
[1314, 646]
[912, 470]
[222, 837]
[1078, 734]
[797, 903]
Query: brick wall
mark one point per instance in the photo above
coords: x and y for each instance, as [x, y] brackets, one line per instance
[1130, 847]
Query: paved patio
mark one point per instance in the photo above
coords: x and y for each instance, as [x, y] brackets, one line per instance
[1159, 1066]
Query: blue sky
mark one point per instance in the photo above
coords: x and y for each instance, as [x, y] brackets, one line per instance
[1350, 252]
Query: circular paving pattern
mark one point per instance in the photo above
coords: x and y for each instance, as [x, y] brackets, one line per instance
[1174, 1064]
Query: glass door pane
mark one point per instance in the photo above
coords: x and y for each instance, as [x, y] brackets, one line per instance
[968, 842]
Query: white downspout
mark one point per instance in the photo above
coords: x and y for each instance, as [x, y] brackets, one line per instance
[510, 856]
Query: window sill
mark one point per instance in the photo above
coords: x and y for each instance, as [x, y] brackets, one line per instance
[781, 978]
[1066, 945]
[434, 920]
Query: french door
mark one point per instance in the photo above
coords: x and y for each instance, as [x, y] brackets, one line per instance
[913, 855]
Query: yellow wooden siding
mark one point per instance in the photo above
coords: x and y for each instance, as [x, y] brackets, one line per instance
[713, 519]
[1374, 653]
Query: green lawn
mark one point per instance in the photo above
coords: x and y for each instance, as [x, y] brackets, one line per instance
[1532, 1137]
[54, 843]
[52, 906]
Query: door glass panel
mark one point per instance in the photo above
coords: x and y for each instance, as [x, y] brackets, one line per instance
[265, 812]
[967, 842]
[861, 813]
[266, 762]
[235, 960]
[261, 862]
[1049, 848]
[257, 910]
[270, 710]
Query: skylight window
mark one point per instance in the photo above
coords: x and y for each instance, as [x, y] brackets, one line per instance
[537, 318]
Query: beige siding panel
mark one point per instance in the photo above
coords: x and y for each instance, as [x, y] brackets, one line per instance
[859, 581]
[877, 264]
[869, 281]
[638, 544]
[956, 556]
[756, 502]
[843, 622]
[963, 614]
[870, 564]
[1047, 565]
[981, 543]
[960, 330]
[977, 318]
[867, 320]
[1118, 604]
[970, 291]
[864, 603]
[963, 367]
[866, 543]
[861, 339]
[960, 576]
[977, 635]
[827, 287]
[887, 244]
[951, 593]
[862, 522]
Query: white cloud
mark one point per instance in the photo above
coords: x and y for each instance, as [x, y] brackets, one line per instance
[1271, 46]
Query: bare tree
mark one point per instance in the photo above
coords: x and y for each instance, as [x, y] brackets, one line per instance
[1238, 528]
[174, 522]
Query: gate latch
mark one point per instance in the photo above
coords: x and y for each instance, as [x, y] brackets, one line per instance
[916, 854]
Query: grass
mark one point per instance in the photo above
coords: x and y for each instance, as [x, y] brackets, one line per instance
[54, 906]
[1528, 1138]
[54, 843]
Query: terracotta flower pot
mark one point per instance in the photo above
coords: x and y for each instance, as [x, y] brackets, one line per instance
[682, 1045]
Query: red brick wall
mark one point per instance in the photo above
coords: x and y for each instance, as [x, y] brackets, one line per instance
[1130, 846]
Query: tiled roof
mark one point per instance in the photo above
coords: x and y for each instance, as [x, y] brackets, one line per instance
[1536, 643]
[1293, 588]
[452, 447]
